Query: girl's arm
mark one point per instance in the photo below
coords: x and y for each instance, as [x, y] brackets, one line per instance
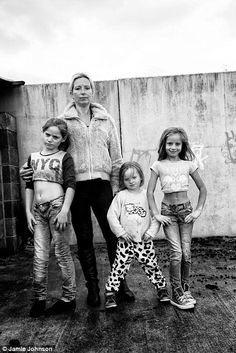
[61, 219]
[113, 217]
[29, 197]
[152, 230]
[201, 198]
[164, 220]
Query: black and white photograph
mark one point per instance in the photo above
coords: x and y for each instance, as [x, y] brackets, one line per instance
[118, 176]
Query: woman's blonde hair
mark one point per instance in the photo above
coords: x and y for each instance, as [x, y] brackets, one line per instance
[80, 75]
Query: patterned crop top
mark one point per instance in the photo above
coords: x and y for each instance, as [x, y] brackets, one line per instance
[174, 176]
[56, 167]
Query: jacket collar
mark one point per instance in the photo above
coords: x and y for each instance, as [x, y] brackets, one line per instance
[98, 111]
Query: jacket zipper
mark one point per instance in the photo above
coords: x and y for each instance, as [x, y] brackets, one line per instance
[90, 148]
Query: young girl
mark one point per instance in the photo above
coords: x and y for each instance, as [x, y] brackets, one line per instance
[175, 164]
[52, 188]
[130, 221]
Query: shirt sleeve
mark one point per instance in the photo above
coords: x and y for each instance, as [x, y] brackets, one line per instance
[68, 172]
[193, 166]
[113, 216]
[115, 155]
[154, 167]
[29, 184]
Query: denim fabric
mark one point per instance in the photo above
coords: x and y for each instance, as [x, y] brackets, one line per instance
[45, 230]
[144, 253]
[179, 236]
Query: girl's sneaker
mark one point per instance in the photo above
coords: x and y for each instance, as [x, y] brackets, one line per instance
[180, 300]
[163, 295]
[110, 300]
[188, 294]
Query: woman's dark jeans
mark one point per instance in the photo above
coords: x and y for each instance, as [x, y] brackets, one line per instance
[179, 236]
[95, 194]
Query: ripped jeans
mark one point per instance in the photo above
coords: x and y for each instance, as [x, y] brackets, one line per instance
[179, 236]
[44, 231]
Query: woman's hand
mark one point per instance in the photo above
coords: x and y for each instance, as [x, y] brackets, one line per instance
[31, 221]
[61, 220]
[127, 237]
[26, 172]
[164, 220]
[192, 216]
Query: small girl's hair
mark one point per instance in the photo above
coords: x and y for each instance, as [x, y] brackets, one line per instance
[62, 126]
[124, 168]
[80, 75]
[186, 153]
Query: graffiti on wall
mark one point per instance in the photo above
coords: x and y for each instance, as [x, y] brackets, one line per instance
[144, 157]
[229, 147]
[197, 149]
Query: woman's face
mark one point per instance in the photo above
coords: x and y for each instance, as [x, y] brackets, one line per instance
[82, 91]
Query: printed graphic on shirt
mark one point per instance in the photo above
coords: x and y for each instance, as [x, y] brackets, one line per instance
[175, 182]
[47, 168]
[131, 208]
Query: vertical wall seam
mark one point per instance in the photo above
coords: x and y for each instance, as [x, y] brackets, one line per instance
[119, 115]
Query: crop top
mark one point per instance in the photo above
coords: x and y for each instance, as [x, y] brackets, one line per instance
[174, 176]
[57, 167]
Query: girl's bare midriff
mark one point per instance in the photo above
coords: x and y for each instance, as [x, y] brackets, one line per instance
[175, 198]
[45, 191]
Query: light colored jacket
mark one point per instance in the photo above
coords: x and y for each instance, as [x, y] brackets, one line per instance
[129, 213]
[95, 149]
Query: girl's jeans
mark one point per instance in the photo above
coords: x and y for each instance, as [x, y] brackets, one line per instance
[45, 230]
[179, 235]
[142, 251]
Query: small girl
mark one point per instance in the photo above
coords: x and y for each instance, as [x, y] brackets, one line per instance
[52, 188]
[130, 221]
[175, 164]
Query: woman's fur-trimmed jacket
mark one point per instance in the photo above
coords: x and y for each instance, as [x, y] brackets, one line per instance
[95, 148]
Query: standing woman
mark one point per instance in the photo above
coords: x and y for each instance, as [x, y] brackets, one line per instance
[95, 149]
[96, 152]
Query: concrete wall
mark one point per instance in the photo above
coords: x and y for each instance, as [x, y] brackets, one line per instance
[204, 105]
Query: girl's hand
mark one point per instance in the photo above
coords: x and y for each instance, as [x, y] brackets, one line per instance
[164, 220]
[192, 216]
[26, 172]
[31, 221]
[61, 220]
[127, 237]
[147, 237]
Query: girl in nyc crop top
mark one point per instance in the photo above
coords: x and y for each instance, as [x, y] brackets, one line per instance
[174, 176]
[57, 168]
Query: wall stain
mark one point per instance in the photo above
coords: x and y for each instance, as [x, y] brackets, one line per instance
[201, 108]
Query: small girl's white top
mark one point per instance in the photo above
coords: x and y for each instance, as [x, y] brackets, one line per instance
[174, 175]
[129, 213]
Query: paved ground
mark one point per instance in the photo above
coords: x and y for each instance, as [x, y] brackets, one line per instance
[143, 326]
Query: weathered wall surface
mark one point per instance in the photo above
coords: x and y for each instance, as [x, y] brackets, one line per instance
[32, 105]
[204, 105]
